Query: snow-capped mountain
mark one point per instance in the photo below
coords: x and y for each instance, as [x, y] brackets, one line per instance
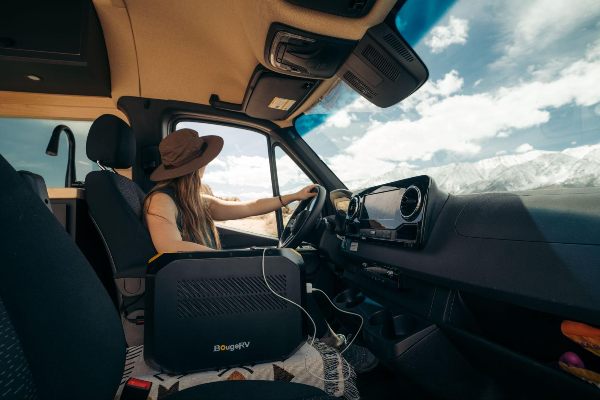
[573, 167]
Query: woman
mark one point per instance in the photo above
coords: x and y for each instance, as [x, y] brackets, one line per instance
[180, 212]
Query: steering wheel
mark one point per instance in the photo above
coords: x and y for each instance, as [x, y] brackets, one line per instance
[304, 219]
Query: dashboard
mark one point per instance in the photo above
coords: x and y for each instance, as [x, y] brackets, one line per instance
[537, 249]
[486, 277]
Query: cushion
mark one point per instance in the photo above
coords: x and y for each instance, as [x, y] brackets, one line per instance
[319, 366]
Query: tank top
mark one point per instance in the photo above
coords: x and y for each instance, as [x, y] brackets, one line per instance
[173, 195]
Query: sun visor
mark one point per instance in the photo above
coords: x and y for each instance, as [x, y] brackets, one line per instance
[383, 68]
[270, 95]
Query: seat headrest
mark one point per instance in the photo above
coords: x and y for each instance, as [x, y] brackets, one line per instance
[111, 142]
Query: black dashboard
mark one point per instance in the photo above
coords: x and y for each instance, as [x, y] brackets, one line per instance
[539, 249]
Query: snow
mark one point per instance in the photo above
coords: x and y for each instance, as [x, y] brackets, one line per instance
[573, 167]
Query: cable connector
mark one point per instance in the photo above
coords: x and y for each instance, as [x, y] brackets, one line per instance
[309, 287]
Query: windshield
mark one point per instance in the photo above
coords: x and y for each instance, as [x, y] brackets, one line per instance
[512, 102]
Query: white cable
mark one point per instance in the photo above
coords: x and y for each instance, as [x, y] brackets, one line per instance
[310, 289]
[315, 326]
[288, 300]
[345, 312]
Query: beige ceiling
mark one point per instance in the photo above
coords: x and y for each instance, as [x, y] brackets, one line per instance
[189, 49]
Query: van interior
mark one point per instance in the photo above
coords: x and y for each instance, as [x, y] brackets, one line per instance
[438, 290]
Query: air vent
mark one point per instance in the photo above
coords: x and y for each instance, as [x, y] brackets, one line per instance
[226, 296]
[410, 204]
[397, 45]
[353, 207]
[359, 85]
[379, 61]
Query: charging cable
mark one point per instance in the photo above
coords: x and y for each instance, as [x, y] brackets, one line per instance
[310, 289]
[312, 341]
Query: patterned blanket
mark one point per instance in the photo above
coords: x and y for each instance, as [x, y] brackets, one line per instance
[318, 365]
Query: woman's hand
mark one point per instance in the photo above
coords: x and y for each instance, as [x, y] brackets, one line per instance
[305, 193]
[224, 210]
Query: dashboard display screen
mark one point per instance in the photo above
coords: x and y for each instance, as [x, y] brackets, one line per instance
[382, 210]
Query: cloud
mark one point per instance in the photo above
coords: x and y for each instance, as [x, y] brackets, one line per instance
[340, 119]
[218, 163]
[535, 24]
[240, 171]
[289, 175]
[524, 148]
[451, 83]
[456, 32]
[430, 92]
[245, 176]
[447, 120]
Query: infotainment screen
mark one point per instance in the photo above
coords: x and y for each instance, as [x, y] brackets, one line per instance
[382, 210]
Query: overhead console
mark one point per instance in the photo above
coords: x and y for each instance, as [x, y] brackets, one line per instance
[394, 213]
[342, 8]
[295, 62]
[293, 51]
[383, 68]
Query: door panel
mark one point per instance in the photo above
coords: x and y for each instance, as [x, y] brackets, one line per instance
[234, 239]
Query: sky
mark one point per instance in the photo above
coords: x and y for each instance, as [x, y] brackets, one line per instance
[23, 143]
[507, 77]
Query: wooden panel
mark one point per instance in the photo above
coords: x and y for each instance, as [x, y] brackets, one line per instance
[66, 193]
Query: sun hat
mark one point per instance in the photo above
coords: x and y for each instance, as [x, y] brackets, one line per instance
[183, 152]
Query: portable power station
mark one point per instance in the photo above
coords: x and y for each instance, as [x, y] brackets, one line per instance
[213, 310]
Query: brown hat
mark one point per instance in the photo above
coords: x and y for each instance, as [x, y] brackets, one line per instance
[183, 152]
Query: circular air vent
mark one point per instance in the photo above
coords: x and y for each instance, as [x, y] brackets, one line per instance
[410, 203]
[353, 207]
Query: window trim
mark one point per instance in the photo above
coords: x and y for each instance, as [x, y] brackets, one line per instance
[285, 137]
[310, 178]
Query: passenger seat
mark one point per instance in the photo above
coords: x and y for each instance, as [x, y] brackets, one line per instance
[38, 185]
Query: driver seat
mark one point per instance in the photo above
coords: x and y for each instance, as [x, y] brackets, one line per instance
[60, 336]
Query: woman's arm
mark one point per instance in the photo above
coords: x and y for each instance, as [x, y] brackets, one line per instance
[161, 219]
[223, 210]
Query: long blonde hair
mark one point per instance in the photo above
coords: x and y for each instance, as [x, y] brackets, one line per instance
[197, 225]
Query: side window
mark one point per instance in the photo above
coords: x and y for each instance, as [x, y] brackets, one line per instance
[290, 178]
[23, 143]
[240, 172]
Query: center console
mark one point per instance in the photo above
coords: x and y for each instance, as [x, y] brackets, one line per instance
[394, 213]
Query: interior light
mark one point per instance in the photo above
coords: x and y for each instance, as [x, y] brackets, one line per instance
[34, 77]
